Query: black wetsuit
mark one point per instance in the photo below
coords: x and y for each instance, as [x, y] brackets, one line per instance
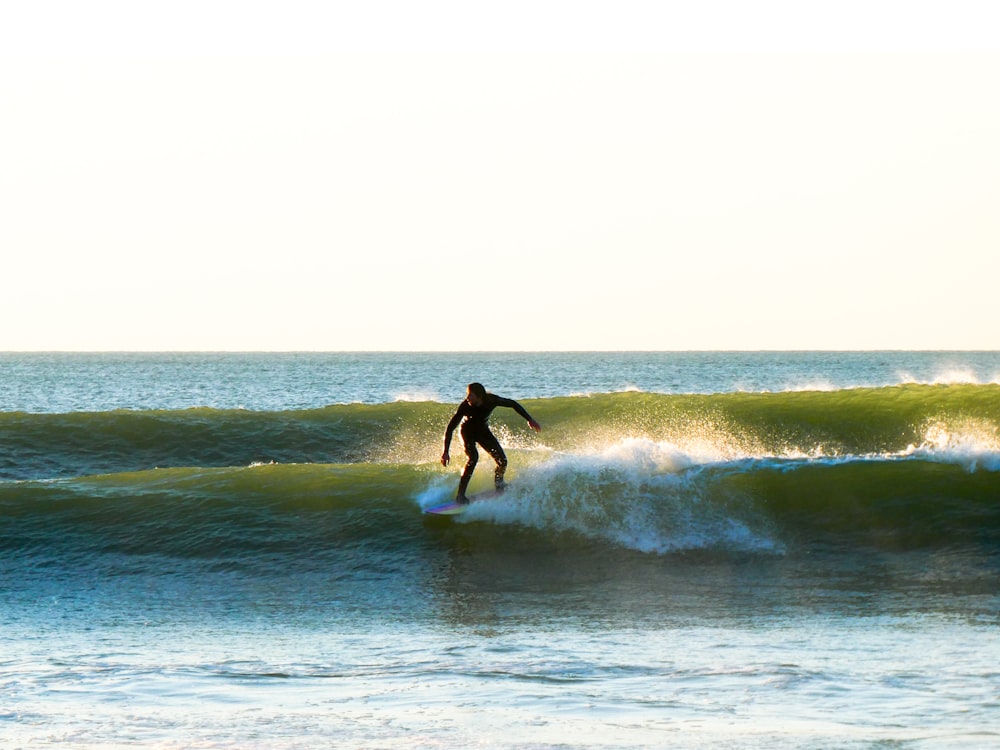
[475, 430]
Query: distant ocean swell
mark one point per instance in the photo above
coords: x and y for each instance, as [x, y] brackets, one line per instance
[893, 469]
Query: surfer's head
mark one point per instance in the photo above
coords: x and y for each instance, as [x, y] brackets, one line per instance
[476, 394]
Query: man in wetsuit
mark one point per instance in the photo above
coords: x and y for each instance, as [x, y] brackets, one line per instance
[475, 410]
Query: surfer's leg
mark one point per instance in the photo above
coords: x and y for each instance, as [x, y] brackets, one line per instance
[463, 483]
[470, 466]
[492, 446]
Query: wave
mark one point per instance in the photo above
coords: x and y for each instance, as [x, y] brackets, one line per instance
[84, 443]
[637, 495]
[901, 467]
[655, 497]
[882, 421]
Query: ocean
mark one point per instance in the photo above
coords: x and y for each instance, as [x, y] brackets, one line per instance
[698, 550]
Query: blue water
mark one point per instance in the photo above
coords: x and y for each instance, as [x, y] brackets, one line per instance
[806, 554]
[62, 382]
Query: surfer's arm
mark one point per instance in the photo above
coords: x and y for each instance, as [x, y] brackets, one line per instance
[509, 402]
[446, 457]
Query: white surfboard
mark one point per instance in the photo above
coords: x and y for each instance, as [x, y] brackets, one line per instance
[451, 508]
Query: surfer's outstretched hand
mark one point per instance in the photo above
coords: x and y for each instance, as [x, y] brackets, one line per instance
[445, 458]
[534, 425]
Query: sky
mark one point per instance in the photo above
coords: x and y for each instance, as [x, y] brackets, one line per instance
[544, 175]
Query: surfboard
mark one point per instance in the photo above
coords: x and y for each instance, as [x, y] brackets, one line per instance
[451, 508]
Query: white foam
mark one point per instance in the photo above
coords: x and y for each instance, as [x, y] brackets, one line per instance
[440, 491]
[639, 494]
[416, 396]
[972, 443]
[824, 386]
[951, 376]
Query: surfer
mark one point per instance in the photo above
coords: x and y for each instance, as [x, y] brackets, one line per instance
[476, 410]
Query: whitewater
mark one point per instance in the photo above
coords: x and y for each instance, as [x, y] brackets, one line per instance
[699, 549]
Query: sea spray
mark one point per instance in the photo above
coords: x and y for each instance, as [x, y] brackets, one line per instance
[638, 494]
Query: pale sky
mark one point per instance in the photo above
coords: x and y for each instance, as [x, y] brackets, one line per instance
[545, 175]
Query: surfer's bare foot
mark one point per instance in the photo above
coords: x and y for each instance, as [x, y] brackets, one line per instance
[462, 500]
